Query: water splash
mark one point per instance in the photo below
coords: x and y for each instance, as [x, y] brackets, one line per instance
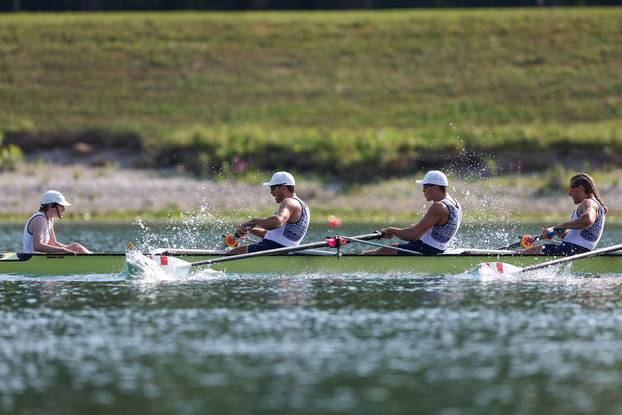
[156, 268]
[186, 230]
[498, 271]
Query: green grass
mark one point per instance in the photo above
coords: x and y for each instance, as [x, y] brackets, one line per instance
[348, 93]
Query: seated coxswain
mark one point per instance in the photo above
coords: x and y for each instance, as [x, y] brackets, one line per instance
[586, 225]
[433, 233]
[287, 227]
[39, 235]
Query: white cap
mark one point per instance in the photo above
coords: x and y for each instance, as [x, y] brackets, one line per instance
[434, 177]
[54, 196]
[281, 177]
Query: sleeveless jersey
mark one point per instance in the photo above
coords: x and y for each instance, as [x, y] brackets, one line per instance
[27, 241]
[439, 236]
[291, 234]
[587, 238]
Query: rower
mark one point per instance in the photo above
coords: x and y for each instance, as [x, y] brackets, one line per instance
[287, 227]
[433, 233]
[586, 225]
[39, 235]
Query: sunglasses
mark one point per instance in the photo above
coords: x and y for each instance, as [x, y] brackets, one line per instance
[274, 186]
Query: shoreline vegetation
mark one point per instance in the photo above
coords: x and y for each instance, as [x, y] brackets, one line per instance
[357, 96]
[111, 193]
[161, 115]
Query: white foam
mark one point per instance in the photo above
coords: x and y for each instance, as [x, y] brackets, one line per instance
[159, 268]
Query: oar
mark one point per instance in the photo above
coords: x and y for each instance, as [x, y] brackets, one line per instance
[526, 241]
[287, 249]
[408, 251]
[232, 240]
[511, 269]
[518, 244]
[187, 251]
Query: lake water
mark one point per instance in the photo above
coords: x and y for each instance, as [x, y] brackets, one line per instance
[311, 344]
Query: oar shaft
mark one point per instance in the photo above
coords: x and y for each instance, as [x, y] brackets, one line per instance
[283, 250]
[408, 251]
[589, 254]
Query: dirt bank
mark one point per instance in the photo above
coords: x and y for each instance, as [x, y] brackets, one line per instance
[110, 189]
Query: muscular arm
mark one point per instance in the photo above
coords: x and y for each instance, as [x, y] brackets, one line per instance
[288, 208]
[588, 213]
[258, 232]
[436, 214]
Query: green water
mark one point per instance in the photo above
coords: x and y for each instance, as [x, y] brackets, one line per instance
[329, 344]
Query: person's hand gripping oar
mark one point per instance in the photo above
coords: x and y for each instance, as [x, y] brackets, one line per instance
[232, 240]
[529, 241]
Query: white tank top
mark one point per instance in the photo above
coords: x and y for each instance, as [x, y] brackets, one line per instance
[439, 236]
[27, 245]
[291, 234]
[588, 237]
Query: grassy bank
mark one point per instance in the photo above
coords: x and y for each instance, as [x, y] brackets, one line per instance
[109, 194]
[355, 94]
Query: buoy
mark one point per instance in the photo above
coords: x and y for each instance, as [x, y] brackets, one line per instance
[334, 221]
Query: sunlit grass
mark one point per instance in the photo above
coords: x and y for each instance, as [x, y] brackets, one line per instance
[347, 93]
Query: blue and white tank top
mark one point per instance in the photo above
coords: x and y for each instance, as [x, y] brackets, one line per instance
[27, 241]
[588, 237]
[291, 234]
[439, 236]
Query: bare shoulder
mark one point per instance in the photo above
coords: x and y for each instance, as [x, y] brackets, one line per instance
[291, 203]
[38, 220]
[438, 208]
[587, 204]
[37, 223]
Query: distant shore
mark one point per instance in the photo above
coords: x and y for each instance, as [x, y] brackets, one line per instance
[355, 95]
[113, 193]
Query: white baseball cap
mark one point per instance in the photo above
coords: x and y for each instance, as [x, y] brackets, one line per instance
[54, 196]
[435, 177]
[281, 177]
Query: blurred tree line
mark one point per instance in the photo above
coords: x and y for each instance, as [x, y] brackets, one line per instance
[104, 5]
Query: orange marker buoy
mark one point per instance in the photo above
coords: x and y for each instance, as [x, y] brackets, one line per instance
[334, 221]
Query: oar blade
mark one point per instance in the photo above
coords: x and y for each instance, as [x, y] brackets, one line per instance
[171, 263]
[497, 268]
[138, 264]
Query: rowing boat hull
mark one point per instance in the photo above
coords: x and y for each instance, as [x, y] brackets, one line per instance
[444, 264]
[41, 264]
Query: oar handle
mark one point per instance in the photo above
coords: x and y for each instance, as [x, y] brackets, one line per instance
[527, 241]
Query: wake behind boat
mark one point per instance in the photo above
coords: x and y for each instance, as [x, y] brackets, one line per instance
[310, 261]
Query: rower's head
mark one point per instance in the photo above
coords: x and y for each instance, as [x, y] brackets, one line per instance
[581, 187]
[52, 202]
[282, 185]
[434, 185]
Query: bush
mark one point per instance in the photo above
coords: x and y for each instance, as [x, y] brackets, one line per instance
[10, 156]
